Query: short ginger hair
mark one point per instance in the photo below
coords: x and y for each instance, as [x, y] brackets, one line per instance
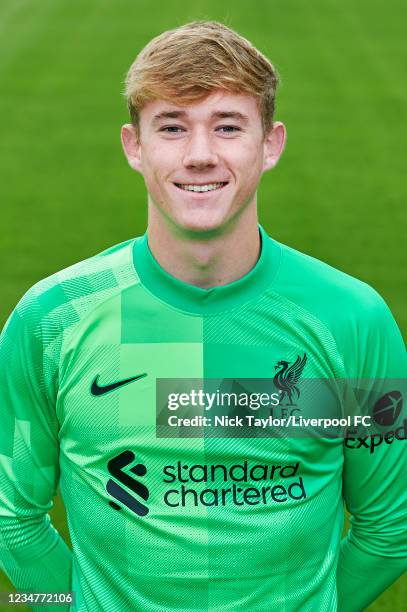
[184, 65]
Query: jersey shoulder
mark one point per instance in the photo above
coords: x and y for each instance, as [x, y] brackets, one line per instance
[356, 316]
[60, 300]
[326, 291]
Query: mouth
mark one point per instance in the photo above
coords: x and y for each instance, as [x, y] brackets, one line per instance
[205, 188]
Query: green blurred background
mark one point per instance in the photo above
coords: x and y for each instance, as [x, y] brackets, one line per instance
[339, 192]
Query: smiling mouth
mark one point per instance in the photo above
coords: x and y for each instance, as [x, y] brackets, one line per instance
[200, 188]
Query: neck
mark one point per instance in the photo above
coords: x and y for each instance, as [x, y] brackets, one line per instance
[208, 260]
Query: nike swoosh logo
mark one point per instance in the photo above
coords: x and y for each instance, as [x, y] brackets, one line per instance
[97, 389]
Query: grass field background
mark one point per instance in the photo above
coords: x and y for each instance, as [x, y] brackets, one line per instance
[339, 192]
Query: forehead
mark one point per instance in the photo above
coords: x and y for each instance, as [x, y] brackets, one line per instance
[219, 104]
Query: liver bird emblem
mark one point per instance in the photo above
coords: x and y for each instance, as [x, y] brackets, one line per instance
[287, 378]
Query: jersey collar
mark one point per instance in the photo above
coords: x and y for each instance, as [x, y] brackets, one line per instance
[192, 299]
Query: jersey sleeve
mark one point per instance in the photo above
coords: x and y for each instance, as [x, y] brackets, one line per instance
[374, 552]
[32, 552]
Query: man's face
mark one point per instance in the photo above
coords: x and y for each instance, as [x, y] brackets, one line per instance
[202, 163]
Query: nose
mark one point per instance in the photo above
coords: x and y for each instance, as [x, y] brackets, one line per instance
[199, 152]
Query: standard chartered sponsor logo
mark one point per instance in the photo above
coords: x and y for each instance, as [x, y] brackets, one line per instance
[240, 484]
[121, 494]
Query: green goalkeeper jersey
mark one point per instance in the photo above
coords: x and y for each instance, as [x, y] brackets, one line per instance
[194, 523]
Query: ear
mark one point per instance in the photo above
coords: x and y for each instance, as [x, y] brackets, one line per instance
[131, 146]
[274, 145]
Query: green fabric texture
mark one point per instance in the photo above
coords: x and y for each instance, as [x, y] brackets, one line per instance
[160, 523]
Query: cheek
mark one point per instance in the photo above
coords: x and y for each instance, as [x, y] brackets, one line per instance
[156, 169]
[250, 172]
[158, 164]
[246, 158]
[152, 169]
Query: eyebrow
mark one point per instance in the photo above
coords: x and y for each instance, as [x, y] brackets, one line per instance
[181, 114]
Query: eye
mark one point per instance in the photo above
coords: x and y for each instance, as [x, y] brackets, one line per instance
[228, 129]
[171, 129]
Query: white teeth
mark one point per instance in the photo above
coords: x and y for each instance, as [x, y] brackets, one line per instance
[208, 187]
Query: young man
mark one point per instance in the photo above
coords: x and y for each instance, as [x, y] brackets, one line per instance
[196, 522]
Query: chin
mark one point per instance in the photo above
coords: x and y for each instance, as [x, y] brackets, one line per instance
[201, 223]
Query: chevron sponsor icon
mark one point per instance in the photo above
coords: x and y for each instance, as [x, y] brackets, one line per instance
[121, 493]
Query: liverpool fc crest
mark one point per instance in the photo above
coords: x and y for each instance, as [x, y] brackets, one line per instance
[287, 378]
